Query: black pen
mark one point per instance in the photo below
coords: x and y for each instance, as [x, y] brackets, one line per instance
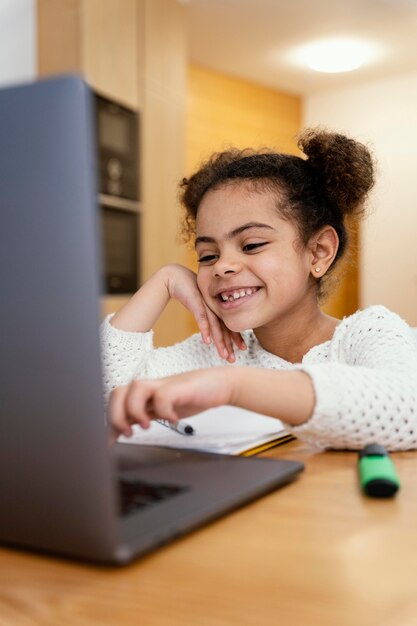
[180, 427]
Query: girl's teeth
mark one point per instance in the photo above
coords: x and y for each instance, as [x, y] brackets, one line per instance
[237, 294]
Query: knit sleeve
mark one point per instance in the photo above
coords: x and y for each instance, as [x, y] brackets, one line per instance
[131, 355]
[122, 353]
[367, 392]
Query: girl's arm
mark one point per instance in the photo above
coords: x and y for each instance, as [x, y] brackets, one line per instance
[287, 395]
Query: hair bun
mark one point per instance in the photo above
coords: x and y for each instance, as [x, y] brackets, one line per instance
[343, 166]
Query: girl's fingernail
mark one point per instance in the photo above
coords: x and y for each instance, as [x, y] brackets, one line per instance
[226, 353]
[207, 340]
[232, 358]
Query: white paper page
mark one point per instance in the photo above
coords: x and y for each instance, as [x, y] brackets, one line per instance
[225, 429]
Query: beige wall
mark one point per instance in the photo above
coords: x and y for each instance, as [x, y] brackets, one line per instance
[383, 113]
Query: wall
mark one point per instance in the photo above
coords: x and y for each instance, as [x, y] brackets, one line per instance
[17, 41]
[383, 113]
[226, 111]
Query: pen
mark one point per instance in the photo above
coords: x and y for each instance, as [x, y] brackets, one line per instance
[180, 427]
[377, 473]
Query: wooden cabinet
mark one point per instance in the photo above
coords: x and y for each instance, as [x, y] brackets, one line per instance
[96, 38]
[135, 52]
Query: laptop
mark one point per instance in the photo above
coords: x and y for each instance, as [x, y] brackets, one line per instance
[62, 489]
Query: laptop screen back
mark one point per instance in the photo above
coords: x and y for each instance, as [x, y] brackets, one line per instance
[53, 453]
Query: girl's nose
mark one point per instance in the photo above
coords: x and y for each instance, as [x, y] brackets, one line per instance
[226, 266]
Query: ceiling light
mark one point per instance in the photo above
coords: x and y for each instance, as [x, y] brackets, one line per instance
[335, 55]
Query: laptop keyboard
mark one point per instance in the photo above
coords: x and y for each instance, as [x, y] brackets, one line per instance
[138, 494]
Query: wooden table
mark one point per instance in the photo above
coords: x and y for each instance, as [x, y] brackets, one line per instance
[316, 552]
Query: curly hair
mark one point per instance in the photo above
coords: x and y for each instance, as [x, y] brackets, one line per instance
[329, 185]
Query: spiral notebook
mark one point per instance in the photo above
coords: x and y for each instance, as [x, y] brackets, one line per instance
[224, 430]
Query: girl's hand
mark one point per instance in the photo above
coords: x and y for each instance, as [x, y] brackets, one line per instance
[182, 286]
[168, 398]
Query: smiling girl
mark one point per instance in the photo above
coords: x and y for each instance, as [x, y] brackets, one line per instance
[269, 229]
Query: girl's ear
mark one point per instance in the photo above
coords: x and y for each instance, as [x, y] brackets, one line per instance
[323, 246]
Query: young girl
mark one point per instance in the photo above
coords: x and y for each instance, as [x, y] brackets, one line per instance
[269, 229]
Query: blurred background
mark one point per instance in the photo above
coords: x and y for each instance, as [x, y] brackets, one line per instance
[201, 75]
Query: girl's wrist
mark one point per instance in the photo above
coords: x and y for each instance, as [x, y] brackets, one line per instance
[286, 395]
[163, 275]
[169, 274]
[234, 377]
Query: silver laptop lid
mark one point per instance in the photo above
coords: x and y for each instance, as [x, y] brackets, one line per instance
[53, 453]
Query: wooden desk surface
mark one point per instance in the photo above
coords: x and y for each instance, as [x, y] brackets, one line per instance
[314, 553]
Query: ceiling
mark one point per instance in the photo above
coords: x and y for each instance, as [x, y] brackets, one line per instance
[254, 39]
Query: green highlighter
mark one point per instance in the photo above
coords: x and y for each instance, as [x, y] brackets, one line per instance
[377, 473]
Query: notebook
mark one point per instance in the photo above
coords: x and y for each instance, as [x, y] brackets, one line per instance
[222, 430]
[62, 489]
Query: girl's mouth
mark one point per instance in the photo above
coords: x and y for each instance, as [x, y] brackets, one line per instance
[233, 298]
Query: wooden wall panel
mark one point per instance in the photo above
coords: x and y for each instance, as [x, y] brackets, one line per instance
[58, 37]
[343, 298]
[163, 155]
[109, 48]
[226, 111]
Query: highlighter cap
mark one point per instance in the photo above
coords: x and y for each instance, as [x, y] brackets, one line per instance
[377, 473]
[373, 449]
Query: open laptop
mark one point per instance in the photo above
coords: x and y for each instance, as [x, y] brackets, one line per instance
[62, 489]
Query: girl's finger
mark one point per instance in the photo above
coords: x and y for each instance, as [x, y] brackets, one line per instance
[197, 307]
[137, 402]
[217, 334]
[163, 406]
[203, 324]
[227, 338]
[116, 414]
[238, 340]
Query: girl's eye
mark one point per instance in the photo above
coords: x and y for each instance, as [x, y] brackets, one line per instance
[207, 258]
[253, 246]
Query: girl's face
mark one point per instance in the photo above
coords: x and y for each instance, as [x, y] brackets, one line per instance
[253, 270]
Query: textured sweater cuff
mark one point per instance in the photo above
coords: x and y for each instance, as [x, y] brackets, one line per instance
[123, 338]
[322, 422]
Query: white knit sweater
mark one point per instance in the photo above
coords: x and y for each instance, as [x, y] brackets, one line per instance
[365, 377]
